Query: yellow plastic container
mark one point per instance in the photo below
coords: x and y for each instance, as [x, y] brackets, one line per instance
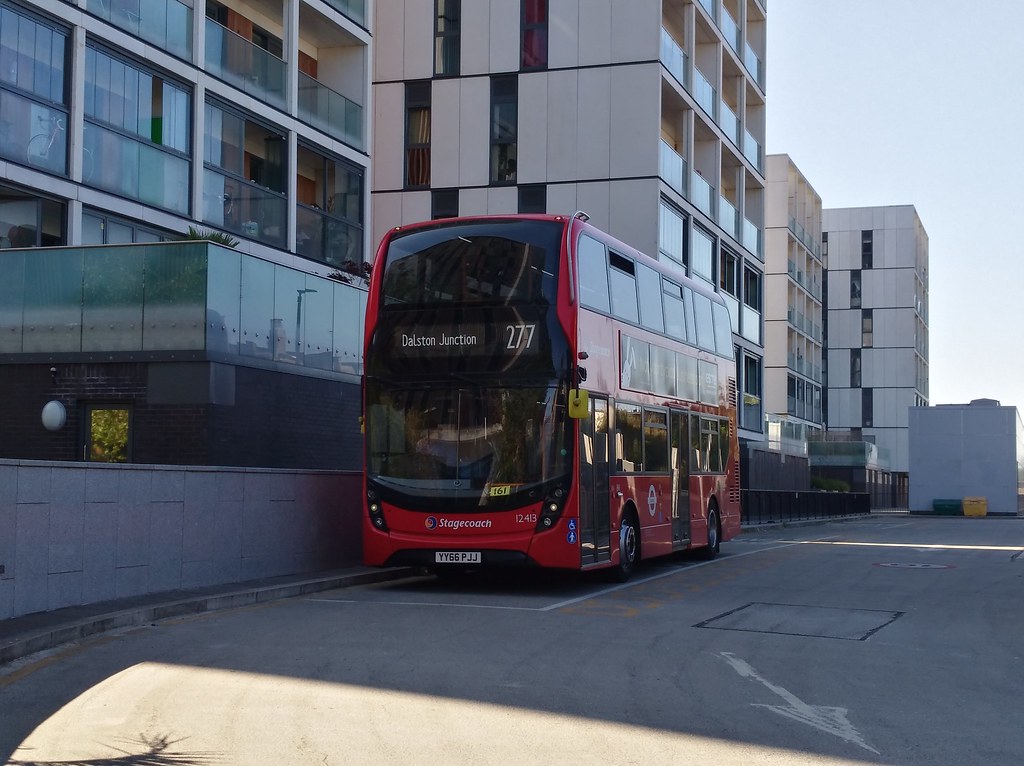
[975, 506]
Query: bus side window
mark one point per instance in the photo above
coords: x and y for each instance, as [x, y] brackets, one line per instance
[629, 437]
[623, 285]
[592, 260]
[724, 442]
[697, 462]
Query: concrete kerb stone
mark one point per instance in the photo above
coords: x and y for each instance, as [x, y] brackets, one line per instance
[49, 638]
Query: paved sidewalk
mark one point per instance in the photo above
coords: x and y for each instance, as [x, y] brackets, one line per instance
[22, 636]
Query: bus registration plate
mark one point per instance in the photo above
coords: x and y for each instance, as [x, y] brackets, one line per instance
[456, 557]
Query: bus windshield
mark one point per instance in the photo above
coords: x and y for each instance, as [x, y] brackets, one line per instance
[492, 263]
[481, 447]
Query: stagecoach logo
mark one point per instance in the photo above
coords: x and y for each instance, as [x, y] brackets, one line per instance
[432, 522]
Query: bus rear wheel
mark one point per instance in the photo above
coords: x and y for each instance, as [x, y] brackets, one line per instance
[629, 547]
[714, 535]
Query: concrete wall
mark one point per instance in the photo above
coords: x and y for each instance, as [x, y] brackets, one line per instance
[965, 451]
[77, 533]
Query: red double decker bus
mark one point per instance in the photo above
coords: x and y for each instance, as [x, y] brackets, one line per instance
[539, 393]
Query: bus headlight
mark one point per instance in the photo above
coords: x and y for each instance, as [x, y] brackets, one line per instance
[376, 511]
[551, 510]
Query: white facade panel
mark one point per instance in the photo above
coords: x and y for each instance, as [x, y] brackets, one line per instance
[636, 30]
[533, 128]
[593, 104]
[563, 33]
[595, 32]
[387, 212]
[446, 149]
[562, 136]
[634, 144]
[474, 132]
[594, 199]
[502, 199]
[562, 199]
[633, 214]
[418, 48]
[504, 35]
[475, 37]
[389, 129]
[473, 202]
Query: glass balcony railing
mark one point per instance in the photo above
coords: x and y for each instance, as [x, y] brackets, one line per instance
[164, 23]
[751, 324]
[701, 192]
[727, 216]
[323, 237]
[705, 93]
[211, 301]
[672, 167]
[330, 111]
[709, 6]
[752, 150]
[673, 57]
[730, 30]
[753, 65]
[729, 122]
[244, 208]
[354, 9]
[750, 236]
[248, 67]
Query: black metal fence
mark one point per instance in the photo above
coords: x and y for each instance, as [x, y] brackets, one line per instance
[764, 506]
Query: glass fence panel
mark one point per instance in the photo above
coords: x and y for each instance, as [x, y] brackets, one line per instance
[348, 329]
[53, 301]
[174, 312]
[112, 296]
[317, 324]
[257, 318]
[246, 66]
[12, 300]
[354, 9]
[223, 300]
[330, 111]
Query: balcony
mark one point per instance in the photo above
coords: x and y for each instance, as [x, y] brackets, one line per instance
[750, 237]
[354, 9]
[709, 6]
[330, 111]
[248, 67]
[705, 93]
[671, 167]
[752, 151]
[674, 59]
[753, 65]
[701, 193]
[201, 301]
[727, 216]
[730, 30]
[729, 122]
[166, 24]
[751, 324]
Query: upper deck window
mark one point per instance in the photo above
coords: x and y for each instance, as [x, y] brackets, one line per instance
[493, 263]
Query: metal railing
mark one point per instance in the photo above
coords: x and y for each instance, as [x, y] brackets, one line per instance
[761, 506]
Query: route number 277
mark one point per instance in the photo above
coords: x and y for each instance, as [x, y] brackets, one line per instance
[519, 336]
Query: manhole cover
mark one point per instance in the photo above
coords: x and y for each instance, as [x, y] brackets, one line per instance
[811, 621]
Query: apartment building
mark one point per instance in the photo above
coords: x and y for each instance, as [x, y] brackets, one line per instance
[877, 326]
[794, 276]
[124, 124]
[649, 115]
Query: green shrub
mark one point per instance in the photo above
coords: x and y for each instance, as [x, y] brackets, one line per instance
[829, 485]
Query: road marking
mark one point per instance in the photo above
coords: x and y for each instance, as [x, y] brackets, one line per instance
[831, 720]
[913, 546]
[912, 565]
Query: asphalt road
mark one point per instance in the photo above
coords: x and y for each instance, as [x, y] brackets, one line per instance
[885, 640]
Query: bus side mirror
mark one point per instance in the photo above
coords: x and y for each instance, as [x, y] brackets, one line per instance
[579, 403]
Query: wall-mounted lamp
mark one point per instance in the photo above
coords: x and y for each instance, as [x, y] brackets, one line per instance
[54, 416]
[53, 375]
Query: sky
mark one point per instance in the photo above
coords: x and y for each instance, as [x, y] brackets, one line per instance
[920, 102]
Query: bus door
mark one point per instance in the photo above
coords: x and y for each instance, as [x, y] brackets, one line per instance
[595, 513]
[680, 477]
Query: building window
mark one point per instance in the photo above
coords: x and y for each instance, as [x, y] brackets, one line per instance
[98, 228]
[329, 210]
[27, 220]
[752, 288]
[444, 203]
[671, 237]
[867, 248]
[504, 128]
[535, 34]
[855, 289]
[728, 273]
[855, 376]
[533, 198]
[702, 254]
[137, 137]
[867, 406]
[107, 433]
[750, 411]
[446, 36]
[867, 322]
[33, 96]
[417, 135]
[244, 186]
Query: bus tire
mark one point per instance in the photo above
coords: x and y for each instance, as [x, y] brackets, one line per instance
[629, 546]
[714, 534]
